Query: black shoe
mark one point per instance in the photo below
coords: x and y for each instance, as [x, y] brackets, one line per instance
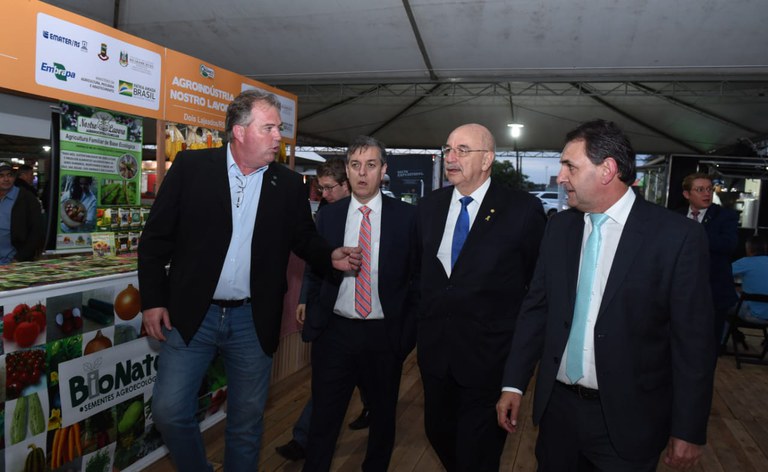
[292, 451]
[362, 421]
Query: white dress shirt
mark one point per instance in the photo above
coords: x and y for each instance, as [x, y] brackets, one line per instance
[699, 217]
[235, 278]
[611, 235]
[446, 244]
[345, 302]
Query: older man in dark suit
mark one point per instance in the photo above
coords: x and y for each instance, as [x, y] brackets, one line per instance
[478, 243]
[225, 220]
[619, 315]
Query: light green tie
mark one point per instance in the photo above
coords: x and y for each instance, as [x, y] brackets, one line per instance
[574, 363]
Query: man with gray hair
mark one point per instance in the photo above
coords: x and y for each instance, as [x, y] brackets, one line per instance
[219, 215]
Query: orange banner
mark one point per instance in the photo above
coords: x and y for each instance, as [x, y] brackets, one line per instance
[17, 44]
[50, 52]
[54, 53]
[197, 93]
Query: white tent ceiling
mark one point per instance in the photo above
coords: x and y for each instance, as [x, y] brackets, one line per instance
[677, 75]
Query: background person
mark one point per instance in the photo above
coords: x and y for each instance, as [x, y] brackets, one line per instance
[620, 317]
[722, 227]
[470, 295]
[252, 214]
[359, 323]
[25, 178]
[753, 272]
[21, 227]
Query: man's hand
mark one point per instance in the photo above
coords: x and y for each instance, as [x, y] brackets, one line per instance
[347, 258]
[301, 312]
[682, 455]
[507, 409]
[154, 319]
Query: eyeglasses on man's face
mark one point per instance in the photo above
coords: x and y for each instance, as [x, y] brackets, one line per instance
[326, 188]
[461, 151]
[702, 189]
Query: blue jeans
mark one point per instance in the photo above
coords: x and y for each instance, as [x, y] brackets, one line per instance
[301, 428]
[181, 369]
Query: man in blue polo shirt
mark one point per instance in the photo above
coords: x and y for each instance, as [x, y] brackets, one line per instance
[21, 227]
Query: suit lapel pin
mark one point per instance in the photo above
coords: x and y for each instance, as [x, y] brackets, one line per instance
[274, 180]
[488, 218]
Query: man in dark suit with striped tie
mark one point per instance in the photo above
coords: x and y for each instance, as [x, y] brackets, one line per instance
[360, 323]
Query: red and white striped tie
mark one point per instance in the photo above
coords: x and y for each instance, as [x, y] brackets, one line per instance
[363, 281]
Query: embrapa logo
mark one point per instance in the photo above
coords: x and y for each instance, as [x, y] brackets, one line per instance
[58, 71]
[125, 88]
[207, 72]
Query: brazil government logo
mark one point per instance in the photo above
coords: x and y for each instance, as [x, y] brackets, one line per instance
[125, 88]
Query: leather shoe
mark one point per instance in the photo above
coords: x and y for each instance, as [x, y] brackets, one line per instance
[292, 450]
[362, 421]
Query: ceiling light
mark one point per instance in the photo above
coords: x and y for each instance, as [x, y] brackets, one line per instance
[516, 129]
[46, 148]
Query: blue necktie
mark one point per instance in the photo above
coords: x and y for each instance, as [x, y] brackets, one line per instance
[574, 362]
[461, 230]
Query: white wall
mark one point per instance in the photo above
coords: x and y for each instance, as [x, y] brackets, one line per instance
[27, 117]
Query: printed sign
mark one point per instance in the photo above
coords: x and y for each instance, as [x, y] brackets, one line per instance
[79, 372]
[76, 59]
[104, 379]
[100, 167]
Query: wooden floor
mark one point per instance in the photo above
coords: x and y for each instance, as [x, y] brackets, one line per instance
[738, 427]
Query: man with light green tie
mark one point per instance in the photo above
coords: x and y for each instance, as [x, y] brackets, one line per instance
[619, 315]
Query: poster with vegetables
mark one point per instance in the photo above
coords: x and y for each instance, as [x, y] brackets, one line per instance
[100, 168]
[76, 379]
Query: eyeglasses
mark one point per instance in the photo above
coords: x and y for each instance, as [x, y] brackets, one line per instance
[241, 183]
[326, 188]
[709, 189]
[461, 151]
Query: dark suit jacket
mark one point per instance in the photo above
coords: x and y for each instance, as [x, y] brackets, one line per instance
[190, 226]
[27, 232]
[722, 227]
[397, 289]
[654, 347]
[466, 321]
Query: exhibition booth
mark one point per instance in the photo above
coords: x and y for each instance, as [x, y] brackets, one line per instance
[76, 370]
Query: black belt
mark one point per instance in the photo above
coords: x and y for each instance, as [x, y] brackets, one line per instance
[583, 392]
[231, 303]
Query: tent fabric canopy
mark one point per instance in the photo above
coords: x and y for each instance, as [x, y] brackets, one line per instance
[310, 156]
[685, 76]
